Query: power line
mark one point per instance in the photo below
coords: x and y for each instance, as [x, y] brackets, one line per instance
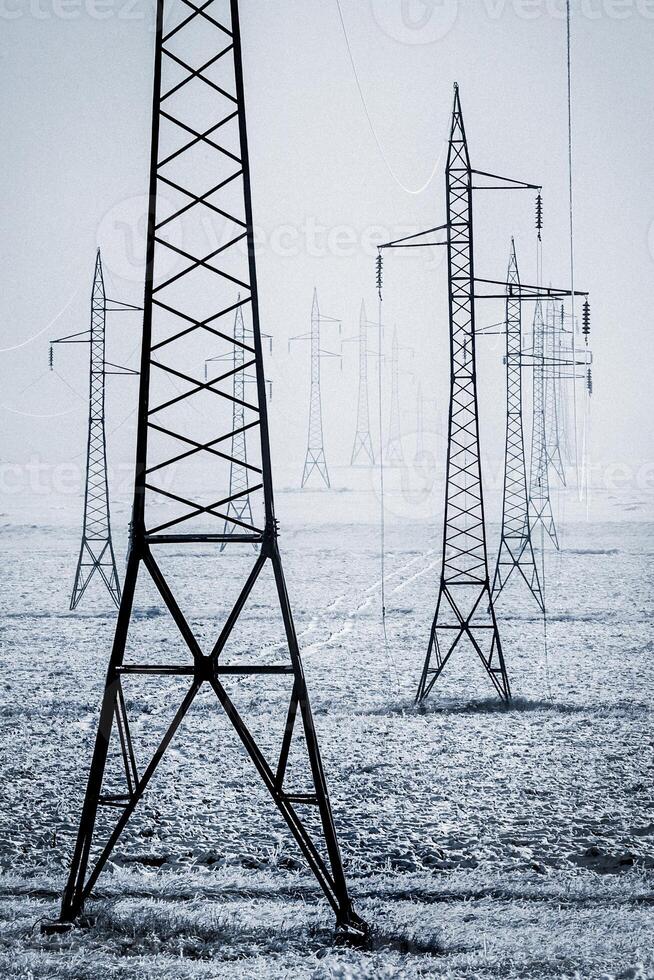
[387, 163]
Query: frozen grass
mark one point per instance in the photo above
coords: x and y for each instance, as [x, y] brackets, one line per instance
[479, 841]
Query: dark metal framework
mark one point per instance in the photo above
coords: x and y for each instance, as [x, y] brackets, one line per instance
[516, 552]
[172, 320]
[96, 553]
[464, 609]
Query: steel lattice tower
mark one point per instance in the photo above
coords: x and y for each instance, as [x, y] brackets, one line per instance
[363, 440]
[182, 308]
[96, 550]
[552, 349]
[394, 452]
[464, 609]
[516, 551]
[315, 459]
[540, 504]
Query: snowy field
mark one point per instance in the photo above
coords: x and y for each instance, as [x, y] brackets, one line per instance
[478, 842]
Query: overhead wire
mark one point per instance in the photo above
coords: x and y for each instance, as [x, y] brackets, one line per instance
[575, 411]
[409, 190]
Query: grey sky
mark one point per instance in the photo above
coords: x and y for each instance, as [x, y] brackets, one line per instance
[75, 120]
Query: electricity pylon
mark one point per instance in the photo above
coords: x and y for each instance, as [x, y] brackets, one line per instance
[182, 308]
[540, 503]
[464, 608]
[362, 450]
[96, 551]
[315, 459]
[552, 391]
[239, 508]
[516, 551]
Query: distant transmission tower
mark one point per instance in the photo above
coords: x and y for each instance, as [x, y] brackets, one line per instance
[552, 391]
[362, 451]
[239, 507]
[540, 503]
[96, 551]
[181, 488]
[315, 459]
[516, 552]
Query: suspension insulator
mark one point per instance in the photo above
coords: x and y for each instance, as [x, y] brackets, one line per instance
[539, 215]
[589, 381]
[585, 321]
[380, 273]
[51, 358]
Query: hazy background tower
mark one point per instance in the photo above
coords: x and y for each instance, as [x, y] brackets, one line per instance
[540, 504]
[362, 450]
[516, 552]
[239, 508]
[315, 459]
[552, 349]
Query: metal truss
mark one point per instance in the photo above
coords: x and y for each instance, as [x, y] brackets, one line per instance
[464, 609]
[516, 553]
[96, 553]
[200, 170]
[315, 459]
[362, 450]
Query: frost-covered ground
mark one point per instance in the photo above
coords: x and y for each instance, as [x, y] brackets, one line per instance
[478, 842]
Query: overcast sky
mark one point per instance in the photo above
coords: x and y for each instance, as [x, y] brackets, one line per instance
[75, 120]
